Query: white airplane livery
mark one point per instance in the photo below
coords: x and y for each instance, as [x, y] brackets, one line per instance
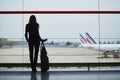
[89, 42]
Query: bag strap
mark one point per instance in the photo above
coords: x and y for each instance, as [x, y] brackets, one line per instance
[42, 44]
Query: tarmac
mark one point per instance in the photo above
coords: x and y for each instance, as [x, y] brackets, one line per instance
[56, 55]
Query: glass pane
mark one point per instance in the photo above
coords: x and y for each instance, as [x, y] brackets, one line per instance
[60, 5]
[62, 31]
[11, 5]
[11, 51]
[11, 26]
[109, 26]
[109, 37]
[66, 26]
[112, 5]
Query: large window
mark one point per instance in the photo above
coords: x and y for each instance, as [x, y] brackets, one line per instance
[62, 30]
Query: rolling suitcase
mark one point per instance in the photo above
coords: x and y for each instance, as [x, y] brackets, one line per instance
[44, 58]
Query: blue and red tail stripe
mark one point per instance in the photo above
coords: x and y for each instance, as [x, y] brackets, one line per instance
[82, 39]
[89, 39]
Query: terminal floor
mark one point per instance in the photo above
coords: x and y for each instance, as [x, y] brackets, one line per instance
[60, 75]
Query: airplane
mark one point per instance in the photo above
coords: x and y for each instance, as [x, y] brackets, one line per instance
[89, 42]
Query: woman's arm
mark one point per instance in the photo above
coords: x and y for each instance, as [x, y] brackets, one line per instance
[26, 34]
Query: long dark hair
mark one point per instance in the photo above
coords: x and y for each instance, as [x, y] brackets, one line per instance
[32, 19]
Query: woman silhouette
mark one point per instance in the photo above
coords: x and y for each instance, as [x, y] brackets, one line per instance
[33, 38]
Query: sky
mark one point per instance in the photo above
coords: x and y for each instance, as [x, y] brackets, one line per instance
[53, 26]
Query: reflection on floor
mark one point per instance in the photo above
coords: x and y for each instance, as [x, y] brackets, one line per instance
[60, 75]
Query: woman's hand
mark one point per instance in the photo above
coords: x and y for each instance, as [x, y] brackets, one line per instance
[43, 40]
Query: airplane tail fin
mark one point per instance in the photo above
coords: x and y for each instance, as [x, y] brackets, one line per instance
[82, 39]
[89, 39]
